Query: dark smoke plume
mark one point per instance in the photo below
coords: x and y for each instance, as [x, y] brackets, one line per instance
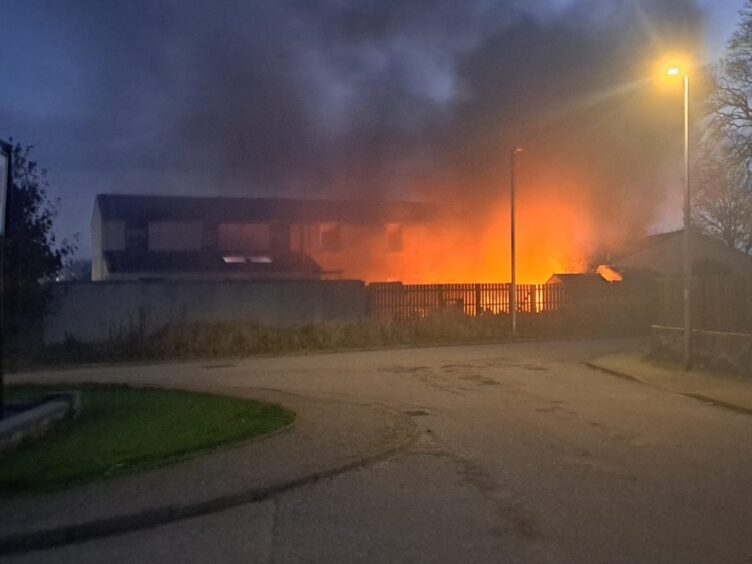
[380, 98]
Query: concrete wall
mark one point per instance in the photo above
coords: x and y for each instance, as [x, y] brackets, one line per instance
[728, 352]
[92, 312]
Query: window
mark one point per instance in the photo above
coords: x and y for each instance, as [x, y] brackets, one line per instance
[330, 237]
[175, 235]
[393, 238]
[113, 235]
[244, 237]
[136, 236]
[209, 236]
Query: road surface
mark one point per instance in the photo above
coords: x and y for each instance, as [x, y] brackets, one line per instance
[524, 455]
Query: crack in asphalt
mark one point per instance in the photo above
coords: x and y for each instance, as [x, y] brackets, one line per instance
[515, 519]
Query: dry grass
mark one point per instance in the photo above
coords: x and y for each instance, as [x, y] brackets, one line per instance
[626, 316]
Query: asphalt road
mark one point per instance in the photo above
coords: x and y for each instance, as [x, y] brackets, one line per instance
[525, 455]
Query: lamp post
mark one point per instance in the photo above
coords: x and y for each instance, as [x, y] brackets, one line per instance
[513, 285]
[675, 71]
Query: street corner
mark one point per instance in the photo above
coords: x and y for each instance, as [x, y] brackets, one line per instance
[327, 438]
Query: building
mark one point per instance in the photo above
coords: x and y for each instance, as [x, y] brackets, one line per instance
[580, 286]
[663, 255]
[137, 237]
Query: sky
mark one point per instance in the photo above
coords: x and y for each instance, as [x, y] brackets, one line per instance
[361, 98]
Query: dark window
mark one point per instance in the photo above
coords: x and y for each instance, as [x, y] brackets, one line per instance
[330, 238]
[280, 237]
[136, 237]
[210, 236]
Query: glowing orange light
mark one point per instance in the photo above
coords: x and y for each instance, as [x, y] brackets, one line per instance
[608, 274]
[555, 232]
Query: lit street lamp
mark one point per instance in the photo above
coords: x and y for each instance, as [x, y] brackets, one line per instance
[513, 285]
[676, 71]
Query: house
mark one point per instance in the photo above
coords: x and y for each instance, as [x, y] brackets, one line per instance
[137, 237]
[663, 255]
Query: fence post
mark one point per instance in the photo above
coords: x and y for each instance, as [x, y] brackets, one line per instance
[478, 306]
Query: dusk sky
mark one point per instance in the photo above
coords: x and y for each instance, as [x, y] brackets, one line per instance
[288, 98]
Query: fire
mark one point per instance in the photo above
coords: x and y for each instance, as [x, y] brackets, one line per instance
[553, 235]
[608, 274]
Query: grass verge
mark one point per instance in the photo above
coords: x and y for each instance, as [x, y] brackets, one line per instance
[123, 429]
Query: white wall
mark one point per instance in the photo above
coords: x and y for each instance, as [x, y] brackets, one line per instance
[102, 311]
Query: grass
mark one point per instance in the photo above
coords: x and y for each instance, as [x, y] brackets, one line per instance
[122, 429]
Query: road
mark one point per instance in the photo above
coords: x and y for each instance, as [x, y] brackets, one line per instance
[525, 455]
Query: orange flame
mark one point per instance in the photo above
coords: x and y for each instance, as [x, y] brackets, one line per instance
[608, 274]
[553, 235]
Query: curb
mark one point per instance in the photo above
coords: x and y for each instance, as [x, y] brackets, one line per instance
[696, 396]
[612, 372]
[58, 536]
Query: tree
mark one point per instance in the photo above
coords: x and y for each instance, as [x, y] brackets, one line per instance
[723, 198]
[33, 256]
[730, 99]
[78, 270]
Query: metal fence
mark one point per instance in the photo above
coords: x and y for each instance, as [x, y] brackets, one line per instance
[411, 301]
[719, 303]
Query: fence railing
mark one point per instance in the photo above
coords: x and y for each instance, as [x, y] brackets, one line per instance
[719, 303]
[412, 301]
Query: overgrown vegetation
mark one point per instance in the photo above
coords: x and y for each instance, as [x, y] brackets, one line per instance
[625, 316]
[122, 429]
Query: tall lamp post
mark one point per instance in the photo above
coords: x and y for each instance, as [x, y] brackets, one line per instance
[679, 71]
[6, 156]
[513, 285]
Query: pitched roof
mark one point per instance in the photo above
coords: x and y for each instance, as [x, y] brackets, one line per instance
[663, 254]
[642, 243]
[579, 278]
[220, 209]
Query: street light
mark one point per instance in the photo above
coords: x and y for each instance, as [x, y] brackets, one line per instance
[513, 285]
[674, 71]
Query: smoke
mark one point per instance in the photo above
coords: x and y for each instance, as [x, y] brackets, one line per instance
[382, 98]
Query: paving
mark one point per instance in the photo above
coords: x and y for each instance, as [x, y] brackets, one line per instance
[327, 437]
[734, 392]
[523, 454]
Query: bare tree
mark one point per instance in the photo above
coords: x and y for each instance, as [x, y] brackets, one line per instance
[723, 195]
[730, 99]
